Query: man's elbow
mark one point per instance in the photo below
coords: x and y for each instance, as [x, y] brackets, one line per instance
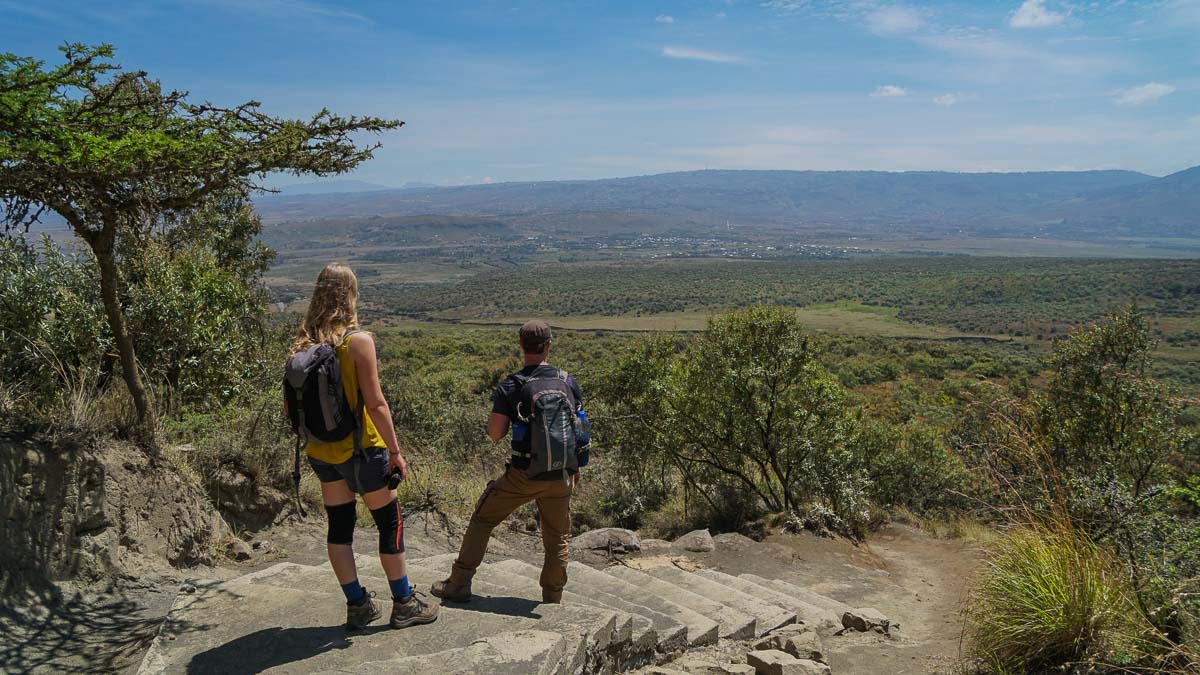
[496, 436]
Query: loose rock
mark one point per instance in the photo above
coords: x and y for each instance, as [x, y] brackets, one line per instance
[655, 545]
[805, 646]
[698, 541]
[606, 538]
[864, 619]
[800, 641]
[238, 549]
[775, 662]
[734, 541]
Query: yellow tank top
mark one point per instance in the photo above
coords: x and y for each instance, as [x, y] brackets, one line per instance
[341, 451]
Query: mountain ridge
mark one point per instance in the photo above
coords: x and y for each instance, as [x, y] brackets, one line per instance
[1089, 204]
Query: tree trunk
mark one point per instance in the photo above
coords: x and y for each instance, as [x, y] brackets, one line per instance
[110, 282]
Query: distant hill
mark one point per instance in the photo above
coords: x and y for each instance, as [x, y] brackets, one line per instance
[1168, 206]
[332, 187]
[1083, 203]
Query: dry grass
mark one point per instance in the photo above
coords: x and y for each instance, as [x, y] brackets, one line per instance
[1052, 598]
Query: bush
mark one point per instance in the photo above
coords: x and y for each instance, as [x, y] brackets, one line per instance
[1052, 598]
[742, 417]
[910, 467]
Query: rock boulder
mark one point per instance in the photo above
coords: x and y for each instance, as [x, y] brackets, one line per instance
[606, 538]
[697, 541]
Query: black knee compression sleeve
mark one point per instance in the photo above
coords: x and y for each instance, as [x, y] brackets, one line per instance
[341, 523]
[391, 528]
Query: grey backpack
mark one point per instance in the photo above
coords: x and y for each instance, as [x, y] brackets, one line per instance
[314, 399]
[548, 406]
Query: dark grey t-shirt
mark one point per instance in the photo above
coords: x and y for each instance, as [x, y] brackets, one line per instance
[504, 402]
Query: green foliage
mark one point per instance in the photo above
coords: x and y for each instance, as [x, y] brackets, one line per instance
[1100, 448]
[1052, 599]
[117, 156]
[196, 305]
[51, 328]
[910, 467]
[72, 134]
[744, 416]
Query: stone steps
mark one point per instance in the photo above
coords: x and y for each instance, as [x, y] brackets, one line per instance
[642, 633]
[807, 613]
[767, 617]
[733, 623]
[834, 607]
[288, 618]
[700, 629]
[518, 653]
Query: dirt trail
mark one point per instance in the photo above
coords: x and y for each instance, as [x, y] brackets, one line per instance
[916, 580]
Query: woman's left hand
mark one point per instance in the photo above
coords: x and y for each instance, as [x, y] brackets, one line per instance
[398, 461]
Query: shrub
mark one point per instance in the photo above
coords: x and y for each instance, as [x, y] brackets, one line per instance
[1051, 598]
[743, 417]
[910, 467]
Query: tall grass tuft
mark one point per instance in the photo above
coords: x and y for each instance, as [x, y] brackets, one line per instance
[1051, 598]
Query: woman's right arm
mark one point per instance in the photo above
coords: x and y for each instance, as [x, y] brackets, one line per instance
[362, 352]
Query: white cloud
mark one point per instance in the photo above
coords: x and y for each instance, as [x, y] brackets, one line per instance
[894, 19]
[664, 18]
[701, 55]
[1147, 93]
[786, 6]
[890, 91]
[1034, 14]
[280, 9]
[947, 100]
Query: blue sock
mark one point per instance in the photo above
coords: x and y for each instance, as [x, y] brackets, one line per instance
[354, 591]
[400, 589]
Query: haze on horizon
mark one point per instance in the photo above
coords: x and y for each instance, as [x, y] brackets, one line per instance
[526, 90]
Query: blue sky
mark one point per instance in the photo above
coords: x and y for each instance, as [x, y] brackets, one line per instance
[517, 90]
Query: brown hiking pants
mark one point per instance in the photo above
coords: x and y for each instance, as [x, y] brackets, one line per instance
[503, 496]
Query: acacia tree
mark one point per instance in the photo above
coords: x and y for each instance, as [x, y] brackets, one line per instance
[115, 154]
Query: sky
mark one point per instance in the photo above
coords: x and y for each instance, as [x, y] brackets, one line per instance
[521, 90]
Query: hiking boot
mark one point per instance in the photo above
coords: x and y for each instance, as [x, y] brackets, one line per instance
[451, 591]
[552, 597]
[411, 611]
[363, 612]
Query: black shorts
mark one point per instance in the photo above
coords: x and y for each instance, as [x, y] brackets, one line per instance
[362, 474]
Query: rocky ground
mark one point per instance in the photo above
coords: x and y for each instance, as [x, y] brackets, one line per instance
[115, 538]
[916, 581]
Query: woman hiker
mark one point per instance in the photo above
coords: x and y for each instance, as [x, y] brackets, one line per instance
[332, 319]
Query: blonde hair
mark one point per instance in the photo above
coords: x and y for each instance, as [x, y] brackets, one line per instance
[332, 310]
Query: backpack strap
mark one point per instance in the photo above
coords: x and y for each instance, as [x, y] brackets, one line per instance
[359, 408]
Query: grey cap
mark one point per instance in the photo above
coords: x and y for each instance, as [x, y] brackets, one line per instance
[535, 333]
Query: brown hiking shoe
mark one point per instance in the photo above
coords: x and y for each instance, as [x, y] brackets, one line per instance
[363, 612]
[552, 597]
[451, 591]
[411, 611]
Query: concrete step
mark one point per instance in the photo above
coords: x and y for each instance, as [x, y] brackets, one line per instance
[518, 653]
[807, 613]
[518, 586]
[701, 630]
[767, 616]
[237, 626]
[835, 607]
[641, 633]
[733, 623]
[671, 635]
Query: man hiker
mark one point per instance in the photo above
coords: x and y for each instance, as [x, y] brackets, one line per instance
[550, 440]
